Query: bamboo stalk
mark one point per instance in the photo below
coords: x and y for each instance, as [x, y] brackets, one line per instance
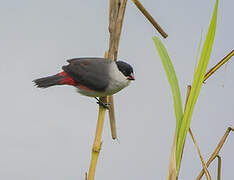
[97, 141]
[150, 18]
[218, 65]
[116, 16]
[98, 136]
[216, 151]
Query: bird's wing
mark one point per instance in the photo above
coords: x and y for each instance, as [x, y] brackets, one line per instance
[90, 72]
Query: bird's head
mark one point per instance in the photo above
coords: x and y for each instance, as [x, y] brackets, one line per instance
[126, 69]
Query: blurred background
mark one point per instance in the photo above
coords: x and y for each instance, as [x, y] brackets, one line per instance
[48, 133]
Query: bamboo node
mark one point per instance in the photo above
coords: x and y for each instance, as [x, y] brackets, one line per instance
[97, 148]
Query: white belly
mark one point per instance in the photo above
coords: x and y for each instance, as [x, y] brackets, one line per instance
[112, 89]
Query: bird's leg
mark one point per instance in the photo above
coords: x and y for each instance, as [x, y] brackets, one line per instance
[105, 105]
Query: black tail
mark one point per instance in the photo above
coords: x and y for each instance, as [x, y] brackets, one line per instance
[49, 81]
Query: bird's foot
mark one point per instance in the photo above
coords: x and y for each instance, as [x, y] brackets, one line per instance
[104, 105]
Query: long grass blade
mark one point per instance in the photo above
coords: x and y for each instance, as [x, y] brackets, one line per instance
[172, 79]
[196, 86]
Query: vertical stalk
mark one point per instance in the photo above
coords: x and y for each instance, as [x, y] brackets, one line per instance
[171, 173]
[112, 117]
[97, 141]
[116, 16]
[219, 168]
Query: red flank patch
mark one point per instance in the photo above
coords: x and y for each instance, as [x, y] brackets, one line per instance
[67, 79]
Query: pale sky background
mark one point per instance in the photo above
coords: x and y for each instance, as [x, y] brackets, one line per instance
[47, 134]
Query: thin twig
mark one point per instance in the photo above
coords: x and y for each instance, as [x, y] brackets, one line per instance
[197, 147]
[219, 168]
[112, 117]
[201, 158]
[150, 18]
[216, 151]
[218, 65]
[194, 140]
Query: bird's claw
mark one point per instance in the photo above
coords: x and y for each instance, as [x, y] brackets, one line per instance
[105, 105]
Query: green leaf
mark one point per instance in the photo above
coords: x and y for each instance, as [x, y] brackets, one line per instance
[196, 86]
[172, 79]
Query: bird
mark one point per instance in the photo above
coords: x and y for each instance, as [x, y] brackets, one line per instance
[92, 77]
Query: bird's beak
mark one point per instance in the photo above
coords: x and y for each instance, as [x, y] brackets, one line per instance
[131, 77]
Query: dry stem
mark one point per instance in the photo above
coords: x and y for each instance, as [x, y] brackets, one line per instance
[112, 117]
[97, 142]
[171, 174]
[98, 136]
[219, 167]
[150, 18]
[218, 65]
[216, 151]
[194, 140]
[201, 158]
[116, 16]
